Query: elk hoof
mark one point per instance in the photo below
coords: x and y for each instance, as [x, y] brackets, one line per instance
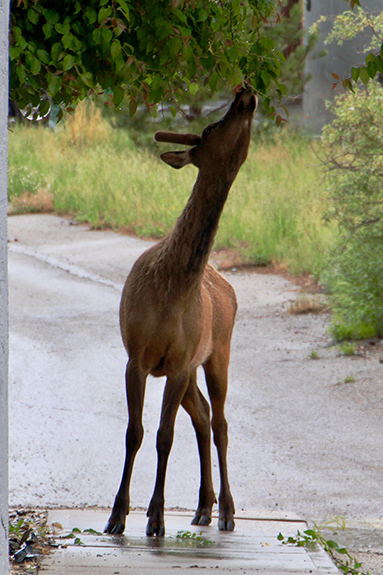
[201, 519]
[224, 525]
[204, 520]
[114, 529]
[152, 530]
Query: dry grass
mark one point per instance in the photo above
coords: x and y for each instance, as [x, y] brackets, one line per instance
[86, 126]
[40, 202]
[307, 303]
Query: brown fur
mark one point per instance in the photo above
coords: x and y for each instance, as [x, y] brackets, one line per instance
[178, 313]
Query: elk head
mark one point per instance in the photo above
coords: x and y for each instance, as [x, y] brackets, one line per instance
[224, 143]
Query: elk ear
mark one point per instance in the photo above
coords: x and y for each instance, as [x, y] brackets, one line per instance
[176, 160]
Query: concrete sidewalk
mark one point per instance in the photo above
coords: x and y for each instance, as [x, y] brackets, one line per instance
[252, 548]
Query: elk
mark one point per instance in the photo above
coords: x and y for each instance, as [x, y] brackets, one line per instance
[177, 313]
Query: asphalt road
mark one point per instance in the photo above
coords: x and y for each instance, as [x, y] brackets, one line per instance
[301, 440]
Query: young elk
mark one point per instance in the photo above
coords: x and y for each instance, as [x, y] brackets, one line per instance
[177, 313]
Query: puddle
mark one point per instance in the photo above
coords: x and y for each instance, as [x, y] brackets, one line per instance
[356, 538]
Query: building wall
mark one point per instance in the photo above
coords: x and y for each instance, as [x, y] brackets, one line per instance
[4, 19]
[340, 60]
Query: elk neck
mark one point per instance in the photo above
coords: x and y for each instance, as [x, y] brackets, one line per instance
[185, 251]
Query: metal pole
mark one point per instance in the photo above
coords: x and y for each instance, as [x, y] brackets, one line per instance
[4, 26]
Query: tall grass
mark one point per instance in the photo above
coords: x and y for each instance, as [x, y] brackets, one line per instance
[275, 209]
[95, 172]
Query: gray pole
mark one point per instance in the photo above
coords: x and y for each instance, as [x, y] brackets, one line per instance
[339, 60]
[4, 25]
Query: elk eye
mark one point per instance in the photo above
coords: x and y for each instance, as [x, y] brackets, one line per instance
[207, 131]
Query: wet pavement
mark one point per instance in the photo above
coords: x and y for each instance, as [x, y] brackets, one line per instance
[301, 438]
[252, 548]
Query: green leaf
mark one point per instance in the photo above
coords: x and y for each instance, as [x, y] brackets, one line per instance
[51, 16]
[119, 64]
[92, 532]
[54, 85]
[78, 541]
[68, 62]
[286, 110]
[47, 29]
[19, 37]
[55, 51]
[232, 53]
[35, 66]
[118, 30]
[371, 68]
[118, 96]
[62, 28]
[193, 88]
[96, 35]
[132, 107]
[369, 58]
[355, 73]
[213, 80]
[364, 75]
[44, 107]
[266, 78]
[21, 74]
[87, 78]
[107, 35]
[14, 52]
[379, 64]
[32, 16]
[115, 49]
[91, 16]
[332, 544]
[67, 41]
[124, 8]
[173, 111]
[43, 56]
[104, 14]
[32, 47]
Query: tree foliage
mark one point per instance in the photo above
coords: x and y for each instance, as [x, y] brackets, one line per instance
[354, 159]
[295, 43]
[146, 51]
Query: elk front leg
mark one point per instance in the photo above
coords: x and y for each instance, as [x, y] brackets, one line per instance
[198, 408]
[135, 391]
[174, 391]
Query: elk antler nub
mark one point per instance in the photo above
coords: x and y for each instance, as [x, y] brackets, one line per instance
[186, 139]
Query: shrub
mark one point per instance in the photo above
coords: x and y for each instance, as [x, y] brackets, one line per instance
[354, 160]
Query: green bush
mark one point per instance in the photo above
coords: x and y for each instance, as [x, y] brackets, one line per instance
[354, 159]
[355, 280]
[23, 179]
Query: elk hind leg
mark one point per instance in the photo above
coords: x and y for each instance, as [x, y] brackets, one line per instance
[216, 379]
[197, 407]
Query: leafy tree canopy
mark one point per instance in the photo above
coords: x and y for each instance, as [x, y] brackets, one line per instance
[148, 50]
